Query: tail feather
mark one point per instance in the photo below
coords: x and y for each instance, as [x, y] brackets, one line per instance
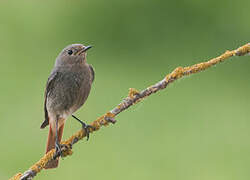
[51, 145]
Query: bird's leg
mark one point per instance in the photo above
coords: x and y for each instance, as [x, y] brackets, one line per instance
[85, 126]
[57, 143]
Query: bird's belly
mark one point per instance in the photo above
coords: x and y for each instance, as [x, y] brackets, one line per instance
[68, 99]
[82, 96]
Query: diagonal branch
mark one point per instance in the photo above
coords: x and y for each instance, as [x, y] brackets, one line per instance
[134, 97]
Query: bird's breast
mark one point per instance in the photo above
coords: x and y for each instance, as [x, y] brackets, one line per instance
[70, 91]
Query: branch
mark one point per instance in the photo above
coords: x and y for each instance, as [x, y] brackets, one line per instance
[134, 97]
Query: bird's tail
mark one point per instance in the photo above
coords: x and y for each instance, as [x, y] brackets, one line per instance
[51, 145]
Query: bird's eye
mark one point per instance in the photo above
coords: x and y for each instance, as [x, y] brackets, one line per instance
[70, 52]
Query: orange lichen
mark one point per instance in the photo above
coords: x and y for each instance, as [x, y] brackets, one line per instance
[179, 72]
[243, 50]
[119, 106]
[16, 177]
[176, 74]
[132, 92]
[109, 114]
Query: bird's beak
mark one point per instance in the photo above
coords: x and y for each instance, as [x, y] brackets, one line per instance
[86, 48]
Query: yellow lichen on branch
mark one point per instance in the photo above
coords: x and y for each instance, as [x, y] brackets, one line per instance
[134, 97]
[17, 176]
[180, 71]
[132, 92]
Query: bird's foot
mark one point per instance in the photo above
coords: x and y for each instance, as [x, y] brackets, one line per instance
[87, 129]
[85, 126]
[58, 150]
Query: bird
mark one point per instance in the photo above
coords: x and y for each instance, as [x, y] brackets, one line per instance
[67, 89]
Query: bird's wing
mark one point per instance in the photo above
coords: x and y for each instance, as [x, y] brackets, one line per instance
[52, 78]
[92, 72]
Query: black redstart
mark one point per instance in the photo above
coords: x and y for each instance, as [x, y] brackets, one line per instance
[67, 89]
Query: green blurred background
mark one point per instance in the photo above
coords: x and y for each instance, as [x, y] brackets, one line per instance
[198, 128]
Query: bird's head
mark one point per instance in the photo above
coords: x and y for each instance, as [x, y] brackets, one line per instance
[72, 54]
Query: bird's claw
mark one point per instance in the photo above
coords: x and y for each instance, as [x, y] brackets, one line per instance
[86, 127]
[58, 150]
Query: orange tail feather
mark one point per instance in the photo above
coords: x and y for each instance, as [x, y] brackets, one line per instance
[51, 145]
